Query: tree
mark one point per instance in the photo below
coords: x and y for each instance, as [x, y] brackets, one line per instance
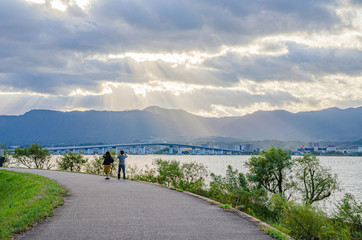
[270, 170]
[71, 161]
[33, 155]
[316, 182]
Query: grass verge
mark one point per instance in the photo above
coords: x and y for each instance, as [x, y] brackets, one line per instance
[26, 199]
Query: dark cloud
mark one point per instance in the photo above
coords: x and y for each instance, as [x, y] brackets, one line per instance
[18, 22]
[358, 2]
[47, 51]
[155, 15]
[301, 63]
[238, 99]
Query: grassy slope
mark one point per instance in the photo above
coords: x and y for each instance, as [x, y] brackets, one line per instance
[26, 199]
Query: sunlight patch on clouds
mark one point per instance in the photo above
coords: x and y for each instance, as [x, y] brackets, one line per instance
[172, 58]
[71, 108]
[264, 47]
[59, 5]
[351, 17]
[261, 47]
[83, 4]
[161, 86]
[106, 88]
[25, 93]
[62, 5]
[55, 4]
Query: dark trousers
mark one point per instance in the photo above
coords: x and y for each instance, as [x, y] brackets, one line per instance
[123, 167]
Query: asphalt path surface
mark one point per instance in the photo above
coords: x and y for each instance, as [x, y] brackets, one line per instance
[125, 209]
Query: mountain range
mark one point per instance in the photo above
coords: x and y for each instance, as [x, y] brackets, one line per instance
[48, 127]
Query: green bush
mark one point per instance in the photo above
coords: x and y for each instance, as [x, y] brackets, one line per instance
[148, 175]
[95, 166]
[305, 221]
[169, 172]
[188, 176]
[234, 189]
[228, 189]
[276, 235]
[193, 177]
[277, 206]
[225, 206]
[71, 161]
[349, 215]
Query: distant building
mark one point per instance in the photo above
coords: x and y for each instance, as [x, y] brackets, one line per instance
[226, 146]
[223, 146]
[239, 147]
[303, 149]
[248, 147]
[314, 144]
[359, 149]
[331, 149]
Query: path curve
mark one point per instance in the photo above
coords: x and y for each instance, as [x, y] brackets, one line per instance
[125, 209]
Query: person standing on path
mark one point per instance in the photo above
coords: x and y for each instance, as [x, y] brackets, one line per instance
[107, 163]
[121, 165]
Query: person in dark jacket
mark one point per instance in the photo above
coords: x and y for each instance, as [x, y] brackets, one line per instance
[107, 163]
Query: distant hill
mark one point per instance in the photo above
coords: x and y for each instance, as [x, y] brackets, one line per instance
[154, 123]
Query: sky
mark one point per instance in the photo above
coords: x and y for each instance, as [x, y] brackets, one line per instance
[209, 57]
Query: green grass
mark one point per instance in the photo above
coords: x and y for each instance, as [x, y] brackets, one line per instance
[26, 199]
[225, 206]
[276, 235]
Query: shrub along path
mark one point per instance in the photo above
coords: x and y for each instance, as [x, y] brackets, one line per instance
[125, 209]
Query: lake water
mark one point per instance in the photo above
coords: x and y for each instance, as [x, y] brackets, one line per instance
[348, 169]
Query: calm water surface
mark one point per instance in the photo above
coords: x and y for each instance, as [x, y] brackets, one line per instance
[348, 169]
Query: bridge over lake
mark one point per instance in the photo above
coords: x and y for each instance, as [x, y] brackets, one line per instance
[145, 148]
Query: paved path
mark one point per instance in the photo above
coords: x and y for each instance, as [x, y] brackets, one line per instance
[124, 209]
